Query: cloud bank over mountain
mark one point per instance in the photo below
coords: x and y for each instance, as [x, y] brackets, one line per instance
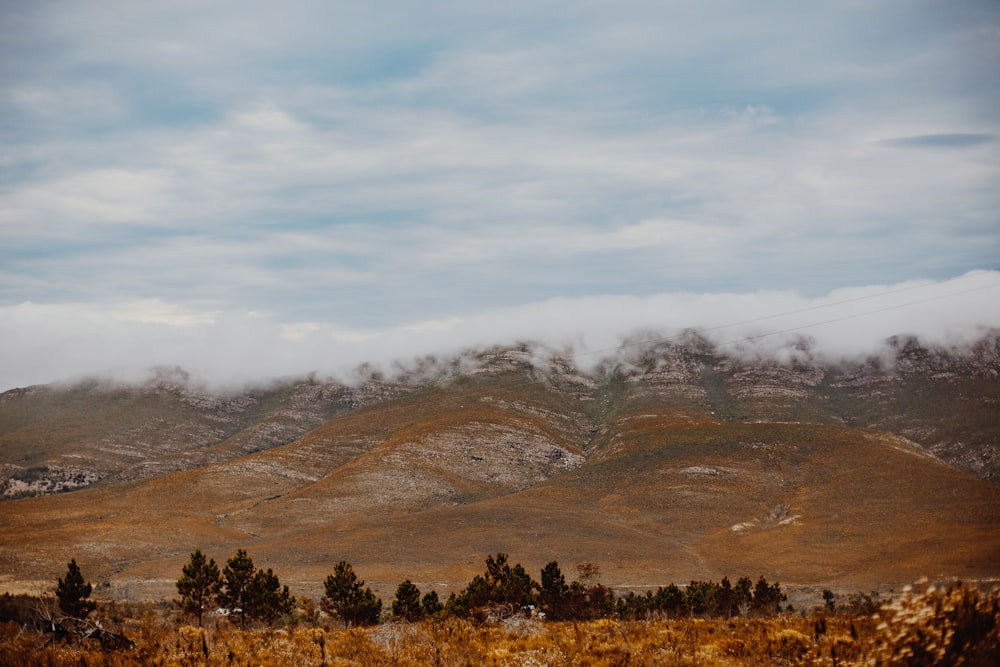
[46, 343]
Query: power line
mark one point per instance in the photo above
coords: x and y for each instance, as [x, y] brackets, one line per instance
[856, 315]
[664, 339]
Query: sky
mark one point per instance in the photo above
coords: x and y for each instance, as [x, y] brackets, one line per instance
[257, 188]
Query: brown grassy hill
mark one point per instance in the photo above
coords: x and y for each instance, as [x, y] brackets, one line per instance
[424, 488]
[798, 503]
[628, 469]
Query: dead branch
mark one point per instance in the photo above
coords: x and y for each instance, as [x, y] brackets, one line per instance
[63, 629]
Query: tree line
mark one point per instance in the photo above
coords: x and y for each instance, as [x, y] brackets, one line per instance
[252, 595]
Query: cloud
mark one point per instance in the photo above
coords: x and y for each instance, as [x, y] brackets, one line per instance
[956, 140]
[101, 196]
[50, 342]
[368, 168]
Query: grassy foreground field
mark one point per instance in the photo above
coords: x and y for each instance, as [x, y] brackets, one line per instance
[957, 625]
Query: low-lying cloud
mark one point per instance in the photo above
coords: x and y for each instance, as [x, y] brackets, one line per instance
[44, 343]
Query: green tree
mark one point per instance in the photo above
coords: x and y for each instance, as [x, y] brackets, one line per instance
[347, 600]
[634, 606]
[668, 599]
[73, 592]
[518, 587]
[508, 584]
[253, 594]
[199, 585]
[586, 602]
[266, 599]
[767, 598]
[431, 604]
[237, 579]
[475, 596]
[501, 584]
[340, 587]
[743, 595]
[366, 609]
[699, 597]
[725, 598]
[553, 592]
[407, 606]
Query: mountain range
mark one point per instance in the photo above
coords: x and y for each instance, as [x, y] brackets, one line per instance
[665, 461]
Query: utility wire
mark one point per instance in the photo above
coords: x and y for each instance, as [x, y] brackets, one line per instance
[807, 309]
[853, 315]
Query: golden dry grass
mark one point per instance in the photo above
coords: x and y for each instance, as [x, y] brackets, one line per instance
[955, 625]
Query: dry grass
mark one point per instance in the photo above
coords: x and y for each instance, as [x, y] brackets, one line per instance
[952, 626]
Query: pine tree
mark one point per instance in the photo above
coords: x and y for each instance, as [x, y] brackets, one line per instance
[266, 599]
[340, 589]
[347, 600]
[669, 599]
[406, 606]
[431, 604]
[238, 576]
[501, 584]
[73, 593]
[367, 609]
[199, 586]
[767, 597]
[553, 593]
[743, 595]
[508, 585]
[725, 598]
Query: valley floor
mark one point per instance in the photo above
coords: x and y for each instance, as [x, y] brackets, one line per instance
[954, 626]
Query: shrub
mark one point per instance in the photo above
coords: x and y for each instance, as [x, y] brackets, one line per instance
[956, 625]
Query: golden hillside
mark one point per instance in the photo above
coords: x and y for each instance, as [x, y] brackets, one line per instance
[642, 469]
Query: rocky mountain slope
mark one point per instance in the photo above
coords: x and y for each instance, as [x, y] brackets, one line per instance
[59, 438]
[673, 460]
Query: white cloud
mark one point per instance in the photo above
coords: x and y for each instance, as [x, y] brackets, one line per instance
[156, 311]
[67, 101]
[685, 235]
[50, 342]
[94, 196]
[751, 116]
[372, 167]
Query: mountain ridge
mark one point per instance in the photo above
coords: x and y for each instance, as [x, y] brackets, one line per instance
[675, 462]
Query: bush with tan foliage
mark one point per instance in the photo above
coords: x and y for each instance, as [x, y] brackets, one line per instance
[950, 625]
[953, 625]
